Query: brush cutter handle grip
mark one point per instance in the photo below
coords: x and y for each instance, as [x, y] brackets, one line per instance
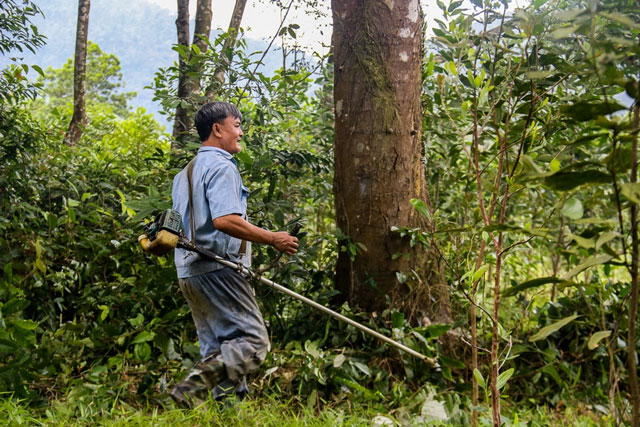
[295, 229]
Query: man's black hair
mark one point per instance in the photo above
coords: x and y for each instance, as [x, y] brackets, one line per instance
[211, 113]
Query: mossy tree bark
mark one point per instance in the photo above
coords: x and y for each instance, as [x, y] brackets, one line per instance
[378, 151]
[79, 118]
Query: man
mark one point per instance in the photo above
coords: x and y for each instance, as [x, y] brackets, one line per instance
[231, 331]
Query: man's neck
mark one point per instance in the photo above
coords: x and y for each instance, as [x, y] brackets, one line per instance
[211, 143]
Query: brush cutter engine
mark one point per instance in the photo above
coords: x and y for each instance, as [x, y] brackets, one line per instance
[161, 236]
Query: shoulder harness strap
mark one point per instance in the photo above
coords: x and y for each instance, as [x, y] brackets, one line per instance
[243, 245]
[191, 211]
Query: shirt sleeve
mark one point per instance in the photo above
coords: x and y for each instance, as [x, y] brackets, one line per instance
[222, 192]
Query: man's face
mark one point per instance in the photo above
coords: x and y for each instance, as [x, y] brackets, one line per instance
[229, 133]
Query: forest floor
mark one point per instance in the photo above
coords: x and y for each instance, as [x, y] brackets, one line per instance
[261, 411]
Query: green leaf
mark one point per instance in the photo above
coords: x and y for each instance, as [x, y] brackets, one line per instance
[446, 372]
[52, 220]
[339, 360]
[311, 347]
[480, 272]
[363, 368]
[40, 265]
[504, 377]
[590, 262]
[421, 207]
[588, 138]
[7, 346]
[98, 370]
[569, 15]
[540, 74]
[397, 319]
[312, 399]
[479, 379]
[534, 283]
[573, 208]
[606, 238]
[104, 313]
[583, 111]
[451, 363]
[245, 157]
[560, 33]
[143, 336]
[548, 330]
[74, 203]
[8, 272]
[622, 19]
[437, 329]
[402, 278]
[454, 5]
[582, 241]
[142, 351]
[554, 166]
[13, 306]
[137, 321]
[631, 191]
[553, 373]
[38, 70]
[596, 338]
[565, 181]
[633, 89]
[28, 325]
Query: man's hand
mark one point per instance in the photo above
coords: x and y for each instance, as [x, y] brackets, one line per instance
[284, 242]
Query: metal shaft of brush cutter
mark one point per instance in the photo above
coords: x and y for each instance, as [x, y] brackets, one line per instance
[185, 244]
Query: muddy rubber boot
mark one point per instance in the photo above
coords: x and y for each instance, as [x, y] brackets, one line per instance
[197, 386]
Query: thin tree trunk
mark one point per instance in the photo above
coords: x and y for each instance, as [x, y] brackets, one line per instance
[202, 28]
[495, 339]
[193, 71]
[633, 309]
[474, 338]
[79, 118]
[227, 49]
[182, 27]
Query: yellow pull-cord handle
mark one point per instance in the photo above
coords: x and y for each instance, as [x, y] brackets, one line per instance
[164, 243]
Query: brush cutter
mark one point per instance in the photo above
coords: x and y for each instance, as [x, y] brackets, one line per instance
[165, 234]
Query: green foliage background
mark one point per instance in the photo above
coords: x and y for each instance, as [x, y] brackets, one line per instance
[522, 111]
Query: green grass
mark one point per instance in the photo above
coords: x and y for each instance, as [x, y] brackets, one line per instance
[263, 412]
[259, 411]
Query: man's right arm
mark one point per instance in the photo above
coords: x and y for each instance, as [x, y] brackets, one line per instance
[234, 225]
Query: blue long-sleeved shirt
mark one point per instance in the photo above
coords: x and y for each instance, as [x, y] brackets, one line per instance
[217, 191]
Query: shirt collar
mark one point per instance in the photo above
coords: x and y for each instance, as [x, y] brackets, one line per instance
[216, 150]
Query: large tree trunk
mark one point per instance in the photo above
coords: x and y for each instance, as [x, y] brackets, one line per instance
[378, 149]
[227, 49]
[189, 79]
[79, 118]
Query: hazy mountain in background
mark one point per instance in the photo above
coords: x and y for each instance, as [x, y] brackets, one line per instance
[138, 33]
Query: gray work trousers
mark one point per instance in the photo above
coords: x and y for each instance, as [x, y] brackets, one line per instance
[229, 324]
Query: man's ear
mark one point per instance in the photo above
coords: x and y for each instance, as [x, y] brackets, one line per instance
[215, 129]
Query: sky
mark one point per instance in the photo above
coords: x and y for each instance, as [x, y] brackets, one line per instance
[262, 18]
